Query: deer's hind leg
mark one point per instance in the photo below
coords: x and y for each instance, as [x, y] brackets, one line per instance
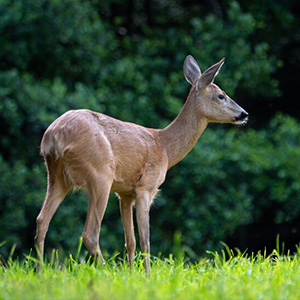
[98, 188]
[56, 192]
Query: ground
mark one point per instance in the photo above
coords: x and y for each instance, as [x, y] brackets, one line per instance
[225, 275]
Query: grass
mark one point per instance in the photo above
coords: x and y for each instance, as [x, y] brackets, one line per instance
[226, 275]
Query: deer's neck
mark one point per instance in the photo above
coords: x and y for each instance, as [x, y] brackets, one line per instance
[183, 133]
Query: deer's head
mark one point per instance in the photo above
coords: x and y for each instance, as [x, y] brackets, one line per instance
[211, 101]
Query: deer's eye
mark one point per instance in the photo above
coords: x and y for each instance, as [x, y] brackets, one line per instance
[221, 97]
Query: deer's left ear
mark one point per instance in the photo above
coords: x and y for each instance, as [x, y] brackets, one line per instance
[209, 75]
[191, 70]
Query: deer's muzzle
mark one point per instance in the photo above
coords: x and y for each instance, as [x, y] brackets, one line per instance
[242, 118]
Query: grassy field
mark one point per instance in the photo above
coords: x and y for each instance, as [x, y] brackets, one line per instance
[227, 275]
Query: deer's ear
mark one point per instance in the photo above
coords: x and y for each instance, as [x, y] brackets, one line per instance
[191, 70]
[209, 75]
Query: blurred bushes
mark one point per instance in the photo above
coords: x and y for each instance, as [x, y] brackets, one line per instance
[54, 39]
[61, 55]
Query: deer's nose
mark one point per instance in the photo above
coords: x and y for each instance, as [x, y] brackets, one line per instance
[243, 115]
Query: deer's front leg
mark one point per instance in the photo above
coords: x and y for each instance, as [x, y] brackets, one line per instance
[143, 202]
[126, 213]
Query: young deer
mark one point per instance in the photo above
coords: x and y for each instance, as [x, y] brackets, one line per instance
[103, 155]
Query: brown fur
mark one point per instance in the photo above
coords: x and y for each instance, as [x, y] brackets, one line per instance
[101, 154]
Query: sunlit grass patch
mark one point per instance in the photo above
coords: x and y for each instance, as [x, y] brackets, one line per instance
[228, 274]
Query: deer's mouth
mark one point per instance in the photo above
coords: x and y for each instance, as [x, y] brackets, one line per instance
[241, 122]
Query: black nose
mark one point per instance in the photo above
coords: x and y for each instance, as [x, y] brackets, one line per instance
[242, 116]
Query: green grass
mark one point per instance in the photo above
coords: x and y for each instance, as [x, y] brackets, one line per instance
[227, 275]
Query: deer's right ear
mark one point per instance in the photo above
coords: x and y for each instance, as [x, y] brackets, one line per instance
[209, 75]
[191, 70]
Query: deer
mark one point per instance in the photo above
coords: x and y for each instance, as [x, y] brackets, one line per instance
[102, 155]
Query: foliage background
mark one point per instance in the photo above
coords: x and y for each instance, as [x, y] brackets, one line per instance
[124, 58]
